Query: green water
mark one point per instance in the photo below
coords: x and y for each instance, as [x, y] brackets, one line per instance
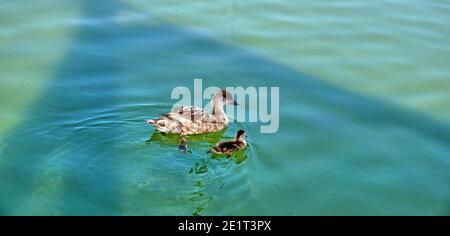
[364, 107]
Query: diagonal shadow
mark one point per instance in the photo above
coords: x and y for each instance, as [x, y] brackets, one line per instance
[49, 128]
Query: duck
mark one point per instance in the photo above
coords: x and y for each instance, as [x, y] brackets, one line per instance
[231, 146]
[192, 120]
[183, 145]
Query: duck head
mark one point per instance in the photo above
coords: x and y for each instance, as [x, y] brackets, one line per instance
[225, 97]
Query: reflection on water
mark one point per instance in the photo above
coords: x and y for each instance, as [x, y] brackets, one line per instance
[172, 139]
[198, 196]
[207, 172]
[208, 182]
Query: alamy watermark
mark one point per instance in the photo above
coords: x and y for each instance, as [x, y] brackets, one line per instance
[258, 104]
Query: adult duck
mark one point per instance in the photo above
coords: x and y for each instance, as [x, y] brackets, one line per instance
[194, 120]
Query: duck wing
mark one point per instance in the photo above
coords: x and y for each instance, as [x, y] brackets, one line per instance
[188, 114]
[174, 121]
[229, 146]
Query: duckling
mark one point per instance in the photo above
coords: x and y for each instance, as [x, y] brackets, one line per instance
[229, 147]
[194, 120]
[183, 145]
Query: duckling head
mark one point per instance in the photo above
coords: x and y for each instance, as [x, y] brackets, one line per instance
[240, 135]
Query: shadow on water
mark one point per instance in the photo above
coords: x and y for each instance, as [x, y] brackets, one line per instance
[101, 64]
[210, 179]
[173, 139]
[208, 170]
[50, 129]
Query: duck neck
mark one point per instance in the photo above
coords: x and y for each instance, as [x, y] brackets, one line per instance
[218, 111]
[242, 140]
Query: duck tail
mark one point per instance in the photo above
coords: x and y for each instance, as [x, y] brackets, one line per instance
[159, 125]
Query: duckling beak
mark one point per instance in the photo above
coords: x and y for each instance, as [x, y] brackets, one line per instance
[235, 103]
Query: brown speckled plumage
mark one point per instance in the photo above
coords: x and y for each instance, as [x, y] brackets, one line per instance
[194, 120]
[229, 147]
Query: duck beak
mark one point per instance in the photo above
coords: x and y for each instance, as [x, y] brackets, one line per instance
[235, 103]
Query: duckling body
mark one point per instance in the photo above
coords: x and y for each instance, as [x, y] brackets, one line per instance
[194, 120]
[232, 146]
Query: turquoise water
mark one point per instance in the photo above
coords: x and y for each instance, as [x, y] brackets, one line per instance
[364, 107]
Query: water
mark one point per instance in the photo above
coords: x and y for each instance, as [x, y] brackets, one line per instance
[364, 107]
